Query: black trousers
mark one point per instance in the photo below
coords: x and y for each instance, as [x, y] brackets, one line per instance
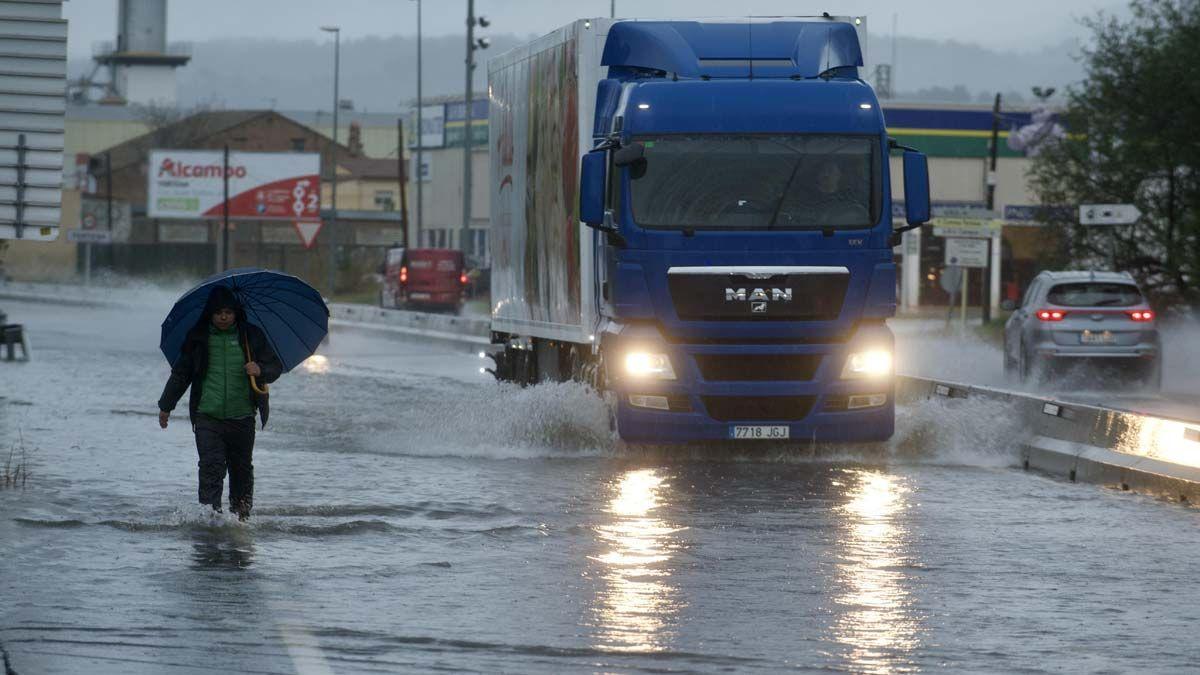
[226, 445]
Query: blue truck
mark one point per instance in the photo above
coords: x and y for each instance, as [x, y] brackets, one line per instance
[695, 217]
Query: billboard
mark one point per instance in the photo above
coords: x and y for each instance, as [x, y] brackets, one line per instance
[262, 185]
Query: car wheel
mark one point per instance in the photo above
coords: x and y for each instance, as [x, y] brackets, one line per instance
[1024, 371]
[1010, 367]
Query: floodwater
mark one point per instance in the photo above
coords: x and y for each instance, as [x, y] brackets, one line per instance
[412, 516]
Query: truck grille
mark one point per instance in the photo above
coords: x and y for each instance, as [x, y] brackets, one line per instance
[757, 367]
[758, 408]
[782, 297]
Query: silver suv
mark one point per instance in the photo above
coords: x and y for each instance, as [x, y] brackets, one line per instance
[1094, 318]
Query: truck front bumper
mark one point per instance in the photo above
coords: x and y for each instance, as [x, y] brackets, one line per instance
[644, 425]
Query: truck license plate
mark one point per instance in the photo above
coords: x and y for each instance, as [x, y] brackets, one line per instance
[757, 432]
[1087, 337]
[419, 296]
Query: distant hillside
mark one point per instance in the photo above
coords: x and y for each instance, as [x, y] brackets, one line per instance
[379, 74]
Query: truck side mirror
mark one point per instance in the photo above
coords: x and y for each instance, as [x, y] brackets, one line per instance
[591, 188]
[916, 187]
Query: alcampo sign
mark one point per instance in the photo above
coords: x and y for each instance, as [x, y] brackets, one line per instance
[189, 184]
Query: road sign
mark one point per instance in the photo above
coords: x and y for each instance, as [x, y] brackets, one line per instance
[308, 232]
[93, 215]
[1108, 214]
[964, 252]
[951, 279]
[90, 236]
[970, 228]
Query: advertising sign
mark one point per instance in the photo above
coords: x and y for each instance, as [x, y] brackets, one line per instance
[262, 185]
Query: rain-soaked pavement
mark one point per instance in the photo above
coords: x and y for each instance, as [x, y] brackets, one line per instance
[413, 516]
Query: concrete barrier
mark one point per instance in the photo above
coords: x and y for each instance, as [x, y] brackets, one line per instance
[1125, 450]
[447, 324]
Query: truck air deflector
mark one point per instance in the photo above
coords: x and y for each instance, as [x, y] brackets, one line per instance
[750, 48]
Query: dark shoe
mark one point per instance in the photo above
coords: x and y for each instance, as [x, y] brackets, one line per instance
[243, 516]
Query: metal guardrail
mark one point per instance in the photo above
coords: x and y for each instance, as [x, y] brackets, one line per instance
[1086, 443]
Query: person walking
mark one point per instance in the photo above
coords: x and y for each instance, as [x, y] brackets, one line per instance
[225, 360]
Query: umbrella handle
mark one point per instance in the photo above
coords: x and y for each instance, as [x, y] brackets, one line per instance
[253, 382]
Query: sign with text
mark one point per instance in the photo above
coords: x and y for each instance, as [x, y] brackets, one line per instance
[262, 185]
[962, 252]
[90, 236]
[1108, 214]
[965, 227]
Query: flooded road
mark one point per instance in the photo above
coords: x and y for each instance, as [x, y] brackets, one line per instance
[413, 516]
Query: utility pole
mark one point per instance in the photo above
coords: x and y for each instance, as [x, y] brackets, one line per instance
[401, 174]
[337, 49]
[465, 237]
[224, 209]
[986, 309]
[472, 45]
[420, 131]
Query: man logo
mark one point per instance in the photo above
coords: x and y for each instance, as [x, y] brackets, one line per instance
[758, 307]
[758, 295]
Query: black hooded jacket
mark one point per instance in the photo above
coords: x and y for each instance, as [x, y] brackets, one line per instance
[189, 369]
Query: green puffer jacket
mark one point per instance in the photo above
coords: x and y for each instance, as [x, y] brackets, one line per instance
[226, 393]
[190, 370]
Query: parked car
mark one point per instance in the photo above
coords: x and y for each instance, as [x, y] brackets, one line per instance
[427, 279]
[1083, 318]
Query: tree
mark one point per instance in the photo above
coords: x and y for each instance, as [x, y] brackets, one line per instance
[1133, 127]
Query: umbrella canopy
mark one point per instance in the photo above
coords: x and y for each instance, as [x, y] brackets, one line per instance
[290, 312]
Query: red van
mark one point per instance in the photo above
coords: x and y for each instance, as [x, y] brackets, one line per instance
[424, 279]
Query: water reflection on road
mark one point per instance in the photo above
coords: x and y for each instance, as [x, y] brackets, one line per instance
[637, 600]
[877, 624]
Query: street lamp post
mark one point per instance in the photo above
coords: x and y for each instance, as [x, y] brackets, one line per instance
[337, 49]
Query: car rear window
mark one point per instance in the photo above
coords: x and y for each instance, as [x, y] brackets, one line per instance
[1094, 294]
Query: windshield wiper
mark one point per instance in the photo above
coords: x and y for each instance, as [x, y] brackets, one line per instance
[783, 195]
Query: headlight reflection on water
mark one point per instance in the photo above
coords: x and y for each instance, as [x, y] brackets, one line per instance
[877, 622]
[638, 600]
[317, 363]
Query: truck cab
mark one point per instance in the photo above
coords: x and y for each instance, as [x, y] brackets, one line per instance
[739, 200]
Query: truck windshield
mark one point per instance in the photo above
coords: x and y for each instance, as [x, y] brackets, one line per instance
[758, 182]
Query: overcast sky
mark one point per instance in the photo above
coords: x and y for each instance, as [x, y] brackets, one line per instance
[1022, 25]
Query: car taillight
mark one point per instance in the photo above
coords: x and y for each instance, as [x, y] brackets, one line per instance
[1141, 315]
[1051, 314]
[404, 275]
[463, 278]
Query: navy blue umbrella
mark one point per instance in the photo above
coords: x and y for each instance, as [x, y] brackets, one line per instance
[290, 312]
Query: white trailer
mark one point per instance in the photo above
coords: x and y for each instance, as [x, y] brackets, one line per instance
[541, 117]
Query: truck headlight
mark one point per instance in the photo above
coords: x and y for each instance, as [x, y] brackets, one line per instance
[869, 363]
[649, 365]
